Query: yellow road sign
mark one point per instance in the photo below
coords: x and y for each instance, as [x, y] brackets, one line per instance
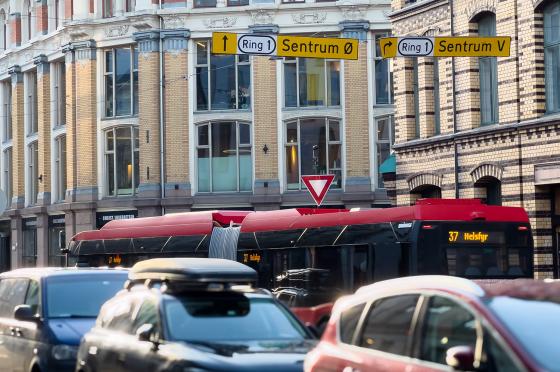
[316, 47]
[284, 45]
[463, 46]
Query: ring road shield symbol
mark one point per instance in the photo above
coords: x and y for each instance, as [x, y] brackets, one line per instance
[415, 47]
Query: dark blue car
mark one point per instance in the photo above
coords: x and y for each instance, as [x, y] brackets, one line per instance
[44, 312]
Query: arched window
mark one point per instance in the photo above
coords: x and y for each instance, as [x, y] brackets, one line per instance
[552, 55]
[489, 189]
[122, 162]
[27, 20]
[224, 161]
[427, 191]
[488, 73]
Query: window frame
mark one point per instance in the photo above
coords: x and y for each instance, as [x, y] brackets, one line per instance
[134, 68]
[296, 61]
[232, 3]
[60, 94]
[60, 167]
[7, 117]
[133, 129]
[204, 6]
[207, 66]
[548, 47]
[391, 99]
[7, 162]
[328, 142]
[390, 141]
[209, 148]
[109, 8]
[33, 171]
[32, 125]
[491, 76]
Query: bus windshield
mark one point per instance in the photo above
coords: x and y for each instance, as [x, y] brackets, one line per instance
[475, 249]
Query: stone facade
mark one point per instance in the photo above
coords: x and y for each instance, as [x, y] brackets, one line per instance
[118, 111]
[466, 156]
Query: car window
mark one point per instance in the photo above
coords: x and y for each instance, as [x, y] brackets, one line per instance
[388, 324]
[495, 358]
[447, 324]
[12, 294]
[80, 296]
[349, 321]
[229, 317]
[148, 314]
[32, 296]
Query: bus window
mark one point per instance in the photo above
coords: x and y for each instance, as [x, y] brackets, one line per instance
[278, 239]
[118, 246]
[183, 244]
[146, 245]
[320, 236]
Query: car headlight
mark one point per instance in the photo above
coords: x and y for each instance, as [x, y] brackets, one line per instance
[64, 352]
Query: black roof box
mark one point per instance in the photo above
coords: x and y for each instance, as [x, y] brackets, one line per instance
[195, 270]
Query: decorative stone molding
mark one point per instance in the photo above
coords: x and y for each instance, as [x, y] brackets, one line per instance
[148, 41]
[309, 18]
[486, 170]
[354, 29]
[175, 40]
[174, 22]
[353, 12]
[474, 8]
[264, 29]
[16, 74]
[42, 63]
[432, 31]
[262, 16]
[220, 22]
[116, 31]
[424, 179]
[83, 50]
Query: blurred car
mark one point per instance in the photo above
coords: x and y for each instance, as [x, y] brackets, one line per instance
[303, 303]
[194, 314]
[44, 313]
[435, 323]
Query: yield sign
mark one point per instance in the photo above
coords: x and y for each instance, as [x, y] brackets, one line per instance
[318, 186]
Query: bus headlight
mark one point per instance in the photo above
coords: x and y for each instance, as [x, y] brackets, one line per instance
[64, 352]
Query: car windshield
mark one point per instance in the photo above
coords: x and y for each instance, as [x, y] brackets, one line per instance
[229, 317]
[80, 296]
[538, 333]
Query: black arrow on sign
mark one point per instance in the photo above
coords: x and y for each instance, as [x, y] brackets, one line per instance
[384, 46]
[225, 39]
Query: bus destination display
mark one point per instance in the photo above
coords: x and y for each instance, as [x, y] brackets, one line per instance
[476, 237]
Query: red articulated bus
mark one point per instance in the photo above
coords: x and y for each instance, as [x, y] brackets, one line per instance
[312, 256]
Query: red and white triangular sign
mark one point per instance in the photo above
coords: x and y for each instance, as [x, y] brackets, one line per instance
[318, 186]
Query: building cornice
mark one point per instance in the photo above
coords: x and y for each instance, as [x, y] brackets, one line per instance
[476, 133]
[415, 8]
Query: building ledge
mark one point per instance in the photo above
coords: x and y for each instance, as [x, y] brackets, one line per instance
[414, 8]
[480, 131]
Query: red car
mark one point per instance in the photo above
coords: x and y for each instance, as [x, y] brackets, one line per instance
[441, 323]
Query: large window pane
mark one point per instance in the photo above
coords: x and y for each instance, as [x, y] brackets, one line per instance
[313, 146]
[222, 82]
[290, 85]
[552, 56]
[33, 172]
[311, 82]
[122, 82]
[124, 161]
[109, 95]
[8, 174]
[61, 167]
[488, 74]
[202, 88]
[382, 81]
[244, 86]
[292, 167]
[224, 157]
[333, 82]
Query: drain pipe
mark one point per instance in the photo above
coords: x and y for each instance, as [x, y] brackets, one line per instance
[454, 105]
[161, 113]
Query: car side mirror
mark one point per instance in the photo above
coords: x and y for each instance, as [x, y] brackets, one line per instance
[460, 358]
[25, 313]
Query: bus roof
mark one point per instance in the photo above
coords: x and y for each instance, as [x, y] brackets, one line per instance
[176, 224]
[201, 223]
[425, 209]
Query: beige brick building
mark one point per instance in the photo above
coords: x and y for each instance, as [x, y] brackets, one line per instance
[483, 127]
[118, 109]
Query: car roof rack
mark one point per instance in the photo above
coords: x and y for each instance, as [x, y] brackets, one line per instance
[187, 273]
